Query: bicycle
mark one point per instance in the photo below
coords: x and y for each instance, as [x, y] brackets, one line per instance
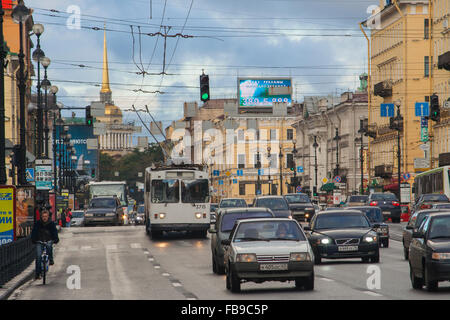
[44, 259]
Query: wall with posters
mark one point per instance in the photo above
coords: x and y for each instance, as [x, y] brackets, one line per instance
[7, 214]
[25, 210]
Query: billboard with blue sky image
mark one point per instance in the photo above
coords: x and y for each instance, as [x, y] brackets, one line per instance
[264, 92]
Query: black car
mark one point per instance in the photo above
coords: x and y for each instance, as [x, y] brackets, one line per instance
[429, 253]
[232, 203]
[376, 218]
[388, 203]
[341, 234]
[300, 205]
[413, 224]
[222, 229]
[426, 201]
[277, 204]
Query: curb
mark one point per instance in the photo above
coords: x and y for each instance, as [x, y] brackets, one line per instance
[8, 288]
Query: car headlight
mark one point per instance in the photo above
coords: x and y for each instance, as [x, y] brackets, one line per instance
[111, 214]
[440, 256]
[370, 239]
[198, 215]
[162, 215]
[324, 241]
[88, 215]
[246, 257]
[300, 256]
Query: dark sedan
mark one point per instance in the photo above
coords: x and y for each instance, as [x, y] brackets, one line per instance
[341, 234]
[426, 201]
[429, 253]
[376, 218]
[388, 203]
[301, 206]
[413, 224]
[277, 204]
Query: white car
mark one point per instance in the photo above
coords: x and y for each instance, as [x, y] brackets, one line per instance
[268, 249]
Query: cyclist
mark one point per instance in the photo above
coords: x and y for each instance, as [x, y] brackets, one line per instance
[44, 230]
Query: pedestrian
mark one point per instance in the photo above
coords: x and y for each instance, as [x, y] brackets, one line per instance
[68, 217]
[44, 230]
[63, 218]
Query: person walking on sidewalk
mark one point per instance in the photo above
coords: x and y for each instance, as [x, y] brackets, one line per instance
[44, 230]
[68, 217]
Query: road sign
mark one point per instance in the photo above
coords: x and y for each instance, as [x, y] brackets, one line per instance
[44, 177]
[240, 173]
[387, 110]
[216, 173]
[424, 147]
[424, 122]
[424, 134]
[260, 172]
[300, 169]
[337, 179]
[298, 189]
[324, 180]
[220, 182]
[235, 181]
[406, 176]
[228, 173]
[446, 104]
[30, 174]
[422, 109]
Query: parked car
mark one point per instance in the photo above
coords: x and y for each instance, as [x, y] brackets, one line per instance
[429, 253]
[277, 204]
[104, 210]
[232, 203]
[212, 212]
[274, 249]
[77, 218]
[388, 203]
[356, 200]
[223, 226]
[376, 217]
[301, 206]
[413, 224]
[426, 201]
[340, 234]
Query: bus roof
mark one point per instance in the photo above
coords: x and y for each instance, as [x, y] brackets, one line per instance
[106, 182]
[432, 171]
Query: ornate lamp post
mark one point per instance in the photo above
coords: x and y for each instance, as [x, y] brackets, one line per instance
[270, 163]
[281, 171]
[294, 153]
[38, 55]
[45, 84]
[315, 145]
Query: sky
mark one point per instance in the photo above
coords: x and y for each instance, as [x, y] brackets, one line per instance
[318, 43]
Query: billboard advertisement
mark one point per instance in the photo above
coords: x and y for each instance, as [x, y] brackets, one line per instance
[264, 92]
[86, 161]
[7, 214]
[25, 209]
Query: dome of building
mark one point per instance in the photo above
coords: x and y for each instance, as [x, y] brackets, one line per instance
[112, 110]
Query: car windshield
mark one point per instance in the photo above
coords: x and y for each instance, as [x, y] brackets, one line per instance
[78, 214]
[272, 203]
[229, 219]
[297, 198]
[233, 203]
[194, 191]
[435, 197]
[374, 214]
[440, 227]
[269, 231]
[384, 196]
[102, 203]
[359, 199]
[341, 221]
[165, 191]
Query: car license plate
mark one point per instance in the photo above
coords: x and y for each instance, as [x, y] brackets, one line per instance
[386, 212]
[273, 267]
[347, 248]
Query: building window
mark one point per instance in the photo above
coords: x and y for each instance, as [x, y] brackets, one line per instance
[427, 66]
[240, 135]
[273, 134]
[273, 160]
[426, 29]
[241, 161]
[290, 134]
[241, 189]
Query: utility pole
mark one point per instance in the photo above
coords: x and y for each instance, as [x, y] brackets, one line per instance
[361, 159]
[337, 138]
[396, 123]
[3, 178]
[281, 171]
[315, 145]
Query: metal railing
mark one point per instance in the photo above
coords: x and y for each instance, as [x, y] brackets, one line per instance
[15, 257]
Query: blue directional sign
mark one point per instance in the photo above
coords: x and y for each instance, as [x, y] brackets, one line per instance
[216, 173]
[30, 174]
[235, 181]
[300, 169]
[240, 173]
[422, 109]
[220, 182]
[387, 110]
[260, 172]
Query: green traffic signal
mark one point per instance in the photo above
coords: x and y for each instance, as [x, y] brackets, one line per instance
[205, 96]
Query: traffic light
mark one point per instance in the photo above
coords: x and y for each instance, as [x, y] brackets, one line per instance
[204, 87]
[89, 119]
[16, 155]
[435, 112]
[93, 173]
[315, 191]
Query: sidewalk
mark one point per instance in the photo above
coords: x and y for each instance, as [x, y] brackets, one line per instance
[28, 274]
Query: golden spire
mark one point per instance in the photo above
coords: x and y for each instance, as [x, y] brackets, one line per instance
[105, 79]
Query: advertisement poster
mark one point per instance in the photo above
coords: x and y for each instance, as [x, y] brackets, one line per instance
[25, 208]
[86, 161]
[7, 214]
[52, 201]
[264, 92]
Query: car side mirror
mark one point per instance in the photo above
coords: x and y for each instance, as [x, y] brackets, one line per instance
[417, 234]
[211, 230]
[225, 242]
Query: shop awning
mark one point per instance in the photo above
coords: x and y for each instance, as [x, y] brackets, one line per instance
[391, 187]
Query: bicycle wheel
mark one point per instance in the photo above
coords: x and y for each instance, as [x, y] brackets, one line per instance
[44, 270]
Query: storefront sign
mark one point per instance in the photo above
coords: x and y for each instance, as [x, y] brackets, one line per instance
[7, 214]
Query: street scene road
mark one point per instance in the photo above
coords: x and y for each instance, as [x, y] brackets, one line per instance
[123, 263]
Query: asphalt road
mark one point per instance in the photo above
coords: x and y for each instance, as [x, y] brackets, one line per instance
[123, 263]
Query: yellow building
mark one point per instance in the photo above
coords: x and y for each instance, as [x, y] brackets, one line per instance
[441, 76]
[400, 73]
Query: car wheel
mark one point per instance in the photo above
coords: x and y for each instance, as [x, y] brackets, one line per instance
[228, 281]
[299, 283]
[235, 283]
[405, 253]
[416, 283]
[431, 285]
[214, 265]
[220, 269]
[309, 283]
[376, 258]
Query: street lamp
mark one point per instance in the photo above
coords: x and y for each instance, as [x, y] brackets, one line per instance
[38, 55]
[20, 15]
[294, 153]
[396, 123]
[270, 163]
[281, 171]
[361, 158]
[337, 138]
[258, 166]
[315, 145]
[45, 84]
[55, 109]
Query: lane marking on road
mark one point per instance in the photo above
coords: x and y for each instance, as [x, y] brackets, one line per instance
[136, 245]
[373, 294]
[157, 267]
[326, 279]
[86, 248]
[165, 274]
[111, 247]
[177, 284]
